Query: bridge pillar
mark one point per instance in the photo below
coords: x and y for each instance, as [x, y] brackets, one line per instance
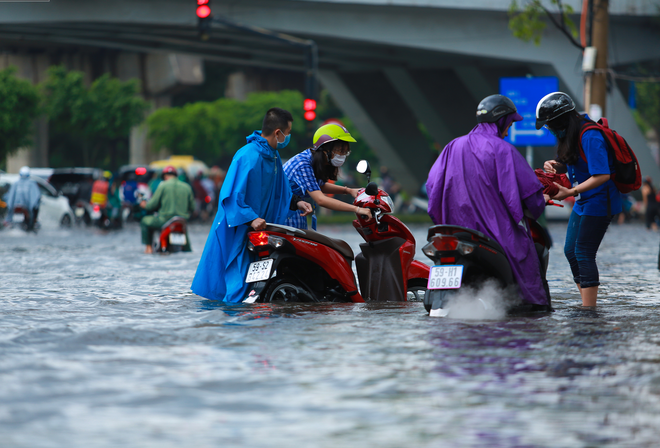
[160, 74]
[417, 101]
[475, 83]
[385, 121]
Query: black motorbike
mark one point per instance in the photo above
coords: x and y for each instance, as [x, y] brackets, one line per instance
[465, 257]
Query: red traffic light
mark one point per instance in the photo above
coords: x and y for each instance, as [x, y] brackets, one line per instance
[309, 104]
[310, 115]
[203, 11]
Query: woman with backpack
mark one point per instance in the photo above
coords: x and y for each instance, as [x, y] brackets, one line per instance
[583, 156]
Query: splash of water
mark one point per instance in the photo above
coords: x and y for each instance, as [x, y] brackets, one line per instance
[487, 302]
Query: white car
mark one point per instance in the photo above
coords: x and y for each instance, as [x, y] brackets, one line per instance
[53, 207]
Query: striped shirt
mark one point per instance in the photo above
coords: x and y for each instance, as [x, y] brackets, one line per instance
[300, 173]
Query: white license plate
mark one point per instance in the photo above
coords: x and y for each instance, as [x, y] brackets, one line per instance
[79, 212]
[96, 215]
[445, 277]
[259, 270]
[178, 239]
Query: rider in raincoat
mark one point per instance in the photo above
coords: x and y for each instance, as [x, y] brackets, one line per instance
[481, 182]
[255, 191]
[25, 193]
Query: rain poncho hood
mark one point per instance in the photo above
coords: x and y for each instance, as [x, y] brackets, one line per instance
[255, 187]
[481, 182]
[24, 192]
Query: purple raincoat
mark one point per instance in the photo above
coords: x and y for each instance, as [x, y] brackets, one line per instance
[480, 182]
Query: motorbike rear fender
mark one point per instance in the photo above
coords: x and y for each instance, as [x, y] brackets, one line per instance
[286, 261]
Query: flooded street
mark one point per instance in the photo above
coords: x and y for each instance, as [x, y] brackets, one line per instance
[102, 346]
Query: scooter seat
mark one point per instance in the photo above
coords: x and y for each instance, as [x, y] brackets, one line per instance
[339, 245]
[172, 220]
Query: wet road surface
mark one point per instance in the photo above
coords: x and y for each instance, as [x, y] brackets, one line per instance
[103, 346]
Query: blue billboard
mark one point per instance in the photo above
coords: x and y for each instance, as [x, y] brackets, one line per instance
[526, 93]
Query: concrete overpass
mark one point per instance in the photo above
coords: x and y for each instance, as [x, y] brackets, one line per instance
[390, 64]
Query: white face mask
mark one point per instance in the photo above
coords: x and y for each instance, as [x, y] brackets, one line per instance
[338, 160]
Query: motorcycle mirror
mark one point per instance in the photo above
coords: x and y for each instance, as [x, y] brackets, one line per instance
[372, 189]
[363, 168]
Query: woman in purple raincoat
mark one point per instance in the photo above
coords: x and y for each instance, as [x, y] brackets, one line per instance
[484, 183]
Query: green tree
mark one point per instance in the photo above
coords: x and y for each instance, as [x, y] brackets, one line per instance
[527, 23]
[18, 109]
[98, 117]
[213, 131]
[648, 104]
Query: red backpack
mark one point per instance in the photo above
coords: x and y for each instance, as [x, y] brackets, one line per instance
[627, 176]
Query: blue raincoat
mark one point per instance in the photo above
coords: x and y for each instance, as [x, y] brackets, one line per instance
[24, 192]
[255, 187]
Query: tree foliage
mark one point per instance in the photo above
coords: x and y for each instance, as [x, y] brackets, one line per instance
[18, 109]
[97, 116]
[214, 131]
[527, 23]
[648, 103]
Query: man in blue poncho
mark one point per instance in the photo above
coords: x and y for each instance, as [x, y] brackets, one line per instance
[24, 193]
[255, 191]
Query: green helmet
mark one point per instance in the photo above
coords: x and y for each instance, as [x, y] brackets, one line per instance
[330, 133]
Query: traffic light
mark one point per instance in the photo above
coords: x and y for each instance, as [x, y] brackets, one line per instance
[204, 18]
[310, 109]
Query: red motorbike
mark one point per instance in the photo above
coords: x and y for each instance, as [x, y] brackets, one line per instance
[171, 237]
[296, 265]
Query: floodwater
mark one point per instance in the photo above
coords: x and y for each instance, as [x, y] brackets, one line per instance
[102, 346]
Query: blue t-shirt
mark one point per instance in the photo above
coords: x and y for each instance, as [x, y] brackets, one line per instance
[601, 201]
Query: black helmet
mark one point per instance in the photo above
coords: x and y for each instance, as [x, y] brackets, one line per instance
[494, 107]
[552, 106]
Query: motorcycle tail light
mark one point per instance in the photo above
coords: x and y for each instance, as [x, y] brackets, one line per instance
[448, 260]
[97, 208]
[207, 199]
[445, 243]
[258, 238]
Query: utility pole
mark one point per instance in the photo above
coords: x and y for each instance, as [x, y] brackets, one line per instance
[600, 31]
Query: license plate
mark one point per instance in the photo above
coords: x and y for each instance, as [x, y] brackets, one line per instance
[79, 212]
[96, 215]
[259, 270]
[178, 239]
[445, 277]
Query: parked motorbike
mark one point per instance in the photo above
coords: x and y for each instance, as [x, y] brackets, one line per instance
[465, 257]
[171, 237]
[296, 265]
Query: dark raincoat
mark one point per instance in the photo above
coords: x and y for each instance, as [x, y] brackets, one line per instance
[255, 187]
[481, 182]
